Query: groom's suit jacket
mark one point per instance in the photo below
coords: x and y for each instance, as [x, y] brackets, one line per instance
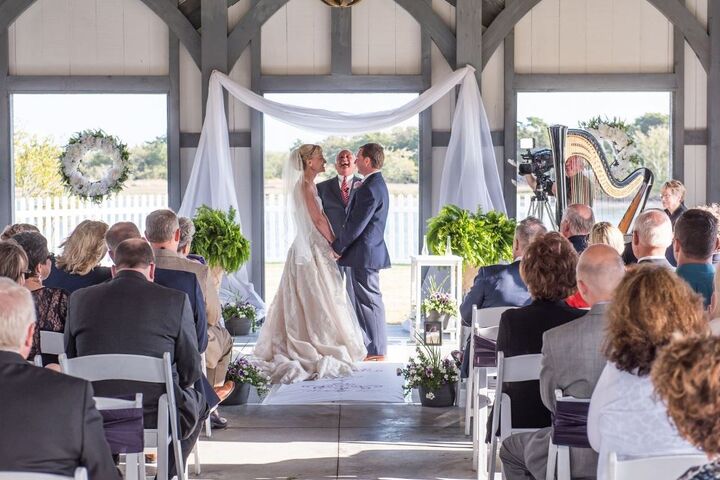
[335, 209]
[361, 242]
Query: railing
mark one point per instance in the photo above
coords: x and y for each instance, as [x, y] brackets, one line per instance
[56, 217]
[401, 231]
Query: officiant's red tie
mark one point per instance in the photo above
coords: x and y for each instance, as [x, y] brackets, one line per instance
[345, 191]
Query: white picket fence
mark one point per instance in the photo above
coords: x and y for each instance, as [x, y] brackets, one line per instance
[56, 217]
[401, 230]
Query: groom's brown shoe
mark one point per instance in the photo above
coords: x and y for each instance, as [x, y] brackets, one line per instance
[375, 358]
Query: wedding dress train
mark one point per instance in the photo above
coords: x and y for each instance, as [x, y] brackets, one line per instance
[311, 330]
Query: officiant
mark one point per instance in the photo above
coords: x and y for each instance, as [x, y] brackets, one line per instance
[335, 194]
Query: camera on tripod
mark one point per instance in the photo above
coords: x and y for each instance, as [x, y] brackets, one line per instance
[537, 163]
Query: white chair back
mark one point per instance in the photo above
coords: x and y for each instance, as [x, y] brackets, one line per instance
[652, 468]
[80, 474]
[520, 368]
[488, 317]
[138, 368]
[51, 343]
[559, 455]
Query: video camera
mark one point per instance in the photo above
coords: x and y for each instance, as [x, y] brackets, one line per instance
[537, 164]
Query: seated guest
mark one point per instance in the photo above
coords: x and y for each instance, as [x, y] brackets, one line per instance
[49, 421]
[652, 236]
[696, 239]
[672, 196]
[132, 315]
[50, 303]
[162, 230]
[572, 362]
[13, 261]
[11, 230]
[500, 285]
[79, 264]
[548, 270]
[576, 223]
[686, 376]
[713, 208]
[607, 234]
[118, 233]
[649, 305]
[187, 232]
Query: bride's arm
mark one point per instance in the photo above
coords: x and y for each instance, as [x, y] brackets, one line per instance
[316, 215]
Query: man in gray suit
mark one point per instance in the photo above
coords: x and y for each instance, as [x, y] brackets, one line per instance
[572, 362]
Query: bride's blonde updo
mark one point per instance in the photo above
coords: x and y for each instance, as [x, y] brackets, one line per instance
[305, 153]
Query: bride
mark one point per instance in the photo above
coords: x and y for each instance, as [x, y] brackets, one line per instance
[311, 330]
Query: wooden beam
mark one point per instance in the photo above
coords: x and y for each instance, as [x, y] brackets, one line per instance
[682, 19]
[179, 25]
[435, 27]
[173, 125]
[249, 27]
[240, 139]
[425, 152]
[341, 83]
[7, 184]
[713, 106]
[696, 137]
[89, 84]
[468, 16]
[257, 177]
[340, 41]
[510, 122]
[616, 82]
[10, 10]
[678, 107]
[503, 24]
[214, 43]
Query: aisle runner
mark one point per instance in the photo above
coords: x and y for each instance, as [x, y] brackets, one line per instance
[374, 382]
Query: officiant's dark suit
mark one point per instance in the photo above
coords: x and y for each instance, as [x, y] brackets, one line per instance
[49, 422]
[131, 315]
[361, 244]
[336, 211]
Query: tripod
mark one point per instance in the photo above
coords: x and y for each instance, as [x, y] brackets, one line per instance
[539, 206]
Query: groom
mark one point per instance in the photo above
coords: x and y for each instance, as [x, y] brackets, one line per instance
[361, 245]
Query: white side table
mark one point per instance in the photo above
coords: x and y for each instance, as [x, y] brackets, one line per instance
[455, 264]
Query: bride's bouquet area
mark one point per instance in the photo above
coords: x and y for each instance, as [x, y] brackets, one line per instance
[434, 377]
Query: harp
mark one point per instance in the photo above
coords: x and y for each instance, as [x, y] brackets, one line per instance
[579, 159]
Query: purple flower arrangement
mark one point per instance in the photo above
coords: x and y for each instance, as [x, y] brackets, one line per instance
[242, 371]
[428, 370]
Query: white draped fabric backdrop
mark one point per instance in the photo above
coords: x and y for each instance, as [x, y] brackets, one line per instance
[469, 179]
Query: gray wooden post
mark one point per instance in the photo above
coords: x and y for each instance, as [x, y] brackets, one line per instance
[678, 108]
[713, 106]
[214, 43]
[7, 186]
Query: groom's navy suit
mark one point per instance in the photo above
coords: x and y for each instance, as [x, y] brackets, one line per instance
[361, 244]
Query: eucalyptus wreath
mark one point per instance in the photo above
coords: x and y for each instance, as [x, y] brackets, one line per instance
[73, 171]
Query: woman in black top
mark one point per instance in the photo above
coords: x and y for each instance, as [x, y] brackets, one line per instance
[50, 303]
[78, 266]
[548, 270]
[672, 195]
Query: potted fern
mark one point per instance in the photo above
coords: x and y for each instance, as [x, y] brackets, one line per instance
[219, 239]
[479, 238]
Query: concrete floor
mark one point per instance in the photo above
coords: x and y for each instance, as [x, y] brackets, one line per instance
[353, 442]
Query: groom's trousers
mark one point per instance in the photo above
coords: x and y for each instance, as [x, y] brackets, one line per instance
[370, 308]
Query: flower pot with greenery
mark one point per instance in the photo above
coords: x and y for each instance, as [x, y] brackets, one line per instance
[245, 375]
[438, 305]
[434, 377]
[239, 317]
[219, 239]
[479, 238]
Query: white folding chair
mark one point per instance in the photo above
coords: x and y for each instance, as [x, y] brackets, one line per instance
[559, 455]
[652, 468]
[208, 425]
[51, 343]
[521, 368]
[80, 474]
[139, 369]
[132, 460]
[481, 318]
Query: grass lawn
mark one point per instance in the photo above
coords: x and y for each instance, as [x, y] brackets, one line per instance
[394, 283]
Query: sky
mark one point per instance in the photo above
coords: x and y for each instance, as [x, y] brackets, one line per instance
[280, 136]
[134, 119]
[570, 107]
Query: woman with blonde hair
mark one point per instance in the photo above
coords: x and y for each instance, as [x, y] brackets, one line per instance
[79, 265]
[607, 234]
[650, 305]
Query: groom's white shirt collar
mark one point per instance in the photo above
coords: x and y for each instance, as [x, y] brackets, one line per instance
[370, 174]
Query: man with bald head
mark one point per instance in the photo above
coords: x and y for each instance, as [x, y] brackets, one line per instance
[572, 362]
[576, 224]
[652, 235]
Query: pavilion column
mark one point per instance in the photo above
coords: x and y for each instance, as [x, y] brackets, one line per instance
[7, 190]
[713, 105]
[214, 42]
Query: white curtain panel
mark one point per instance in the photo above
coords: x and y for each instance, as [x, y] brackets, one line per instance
[470, 178]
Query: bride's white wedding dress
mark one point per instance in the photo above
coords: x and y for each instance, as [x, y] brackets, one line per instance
[311, 330]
